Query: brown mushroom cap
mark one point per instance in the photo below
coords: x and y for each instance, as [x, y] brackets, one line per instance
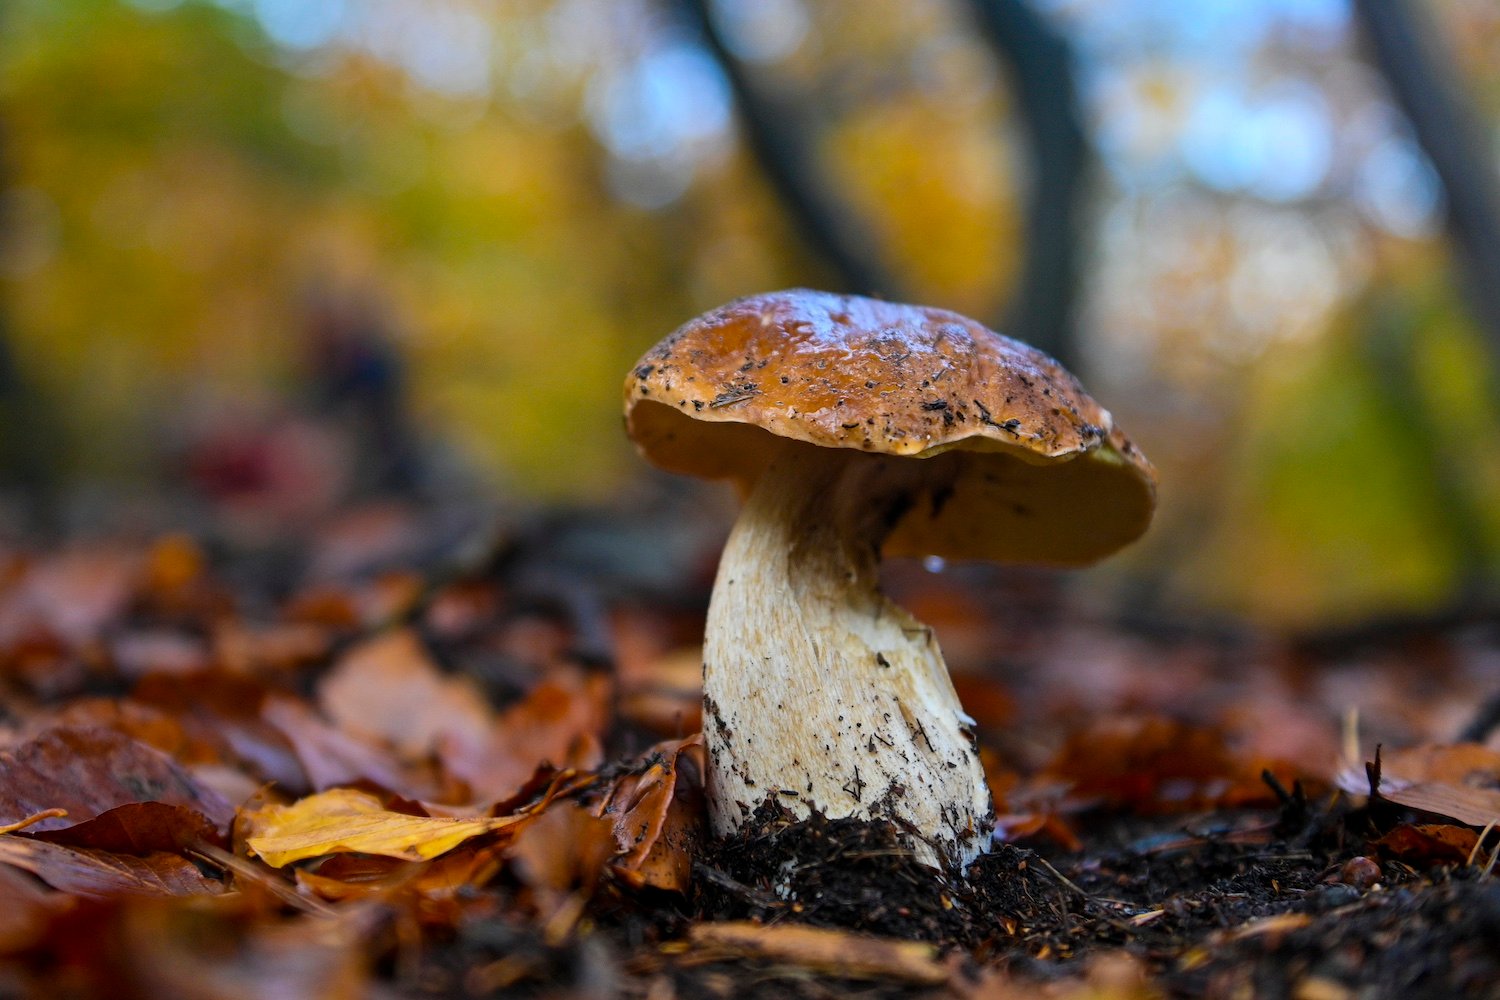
[1038, 471]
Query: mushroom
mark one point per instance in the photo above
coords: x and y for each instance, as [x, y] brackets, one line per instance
[858, 428]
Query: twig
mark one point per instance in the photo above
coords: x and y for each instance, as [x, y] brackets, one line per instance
[1479, 842]
[1082, 893]
[1484, 722]
[33, 819]
[242, 869]
[729, 883]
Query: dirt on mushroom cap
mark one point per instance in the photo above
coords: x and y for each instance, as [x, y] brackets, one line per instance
[1004, 422]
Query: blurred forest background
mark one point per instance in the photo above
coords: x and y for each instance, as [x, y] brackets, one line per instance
[277, 255]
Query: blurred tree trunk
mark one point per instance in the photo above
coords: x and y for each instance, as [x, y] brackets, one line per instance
[1041, 73]
[28, 443]
[1420, 74]
[1421, 77]
[1040, 62]
[780, 147]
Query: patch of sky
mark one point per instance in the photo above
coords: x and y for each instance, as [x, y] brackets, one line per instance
[669, 98]
[1276, 144]
[300, 24]
[761, 30]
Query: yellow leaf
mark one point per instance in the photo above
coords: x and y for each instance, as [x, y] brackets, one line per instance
[343, 820]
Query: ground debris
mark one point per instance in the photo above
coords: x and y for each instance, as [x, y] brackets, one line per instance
[834, 952]
[477, 799]
[1416, 941]
[832, 873]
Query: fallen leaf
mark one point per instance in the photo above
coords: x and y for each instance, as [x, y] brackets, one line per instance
[225, 949]
[88, 771]
[835, 952]
[1027, 809]
[138, 828]
[1460, 781]
[364, 876]
[140, 651]
[346, 820]
[563, 848]
[1426, 845]
[665, 694]
[146, 723]
[389, 688]
[332, 757]
[1110, 975]
[173, 564]
[72, 595]
[658, 817]
[88, 872]
[324, 605]
[1157, 764]
[221, 711]
[560, 723]
[28, 906]
[560, 857]
[275, 648]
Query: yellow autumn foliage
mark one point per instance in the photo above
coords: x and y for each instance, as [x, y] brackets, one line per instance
[345, 820]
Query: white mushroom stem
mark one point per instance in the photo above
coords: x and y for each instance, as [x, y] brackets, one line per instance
[819, 693]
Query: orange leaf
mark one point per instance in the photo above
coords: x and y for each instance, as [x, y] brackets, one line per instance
[1429, 844]
[1155, 764]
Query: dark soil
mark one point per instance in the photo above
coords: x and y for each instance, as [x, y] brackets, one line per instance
[1245, 903]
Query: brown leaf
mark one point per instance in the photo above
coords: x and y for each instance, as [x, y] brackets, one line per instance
[1156, 764]
[1027, 809]
[561, 723]
[1426, 845]
[361, 876]
[560, 856]
[139, 828]
[665, 694]
[138, 652]
[220, 716]
[658, 817]
[563, 848]
[216, 951]
[146, 723]
[72, 595]
[1460, 781]
[88, 872]
[89, 771]
[835, 952]
[332, 757]
[388, 688]
[28, 906]
[325, 605]
[280, 647]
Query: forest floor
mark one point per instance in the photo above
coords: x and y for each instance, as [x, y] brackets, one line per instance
[345, 765]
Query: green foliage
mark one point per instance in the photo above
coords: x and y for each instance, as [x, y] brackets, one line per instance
[1363, 474]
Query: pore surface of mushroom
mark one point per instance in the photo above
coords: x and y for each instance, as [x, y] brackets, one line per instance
[858, 428]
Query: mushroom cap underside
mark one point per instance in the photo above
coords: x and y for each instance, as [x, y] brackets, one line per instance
[1026, 466]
